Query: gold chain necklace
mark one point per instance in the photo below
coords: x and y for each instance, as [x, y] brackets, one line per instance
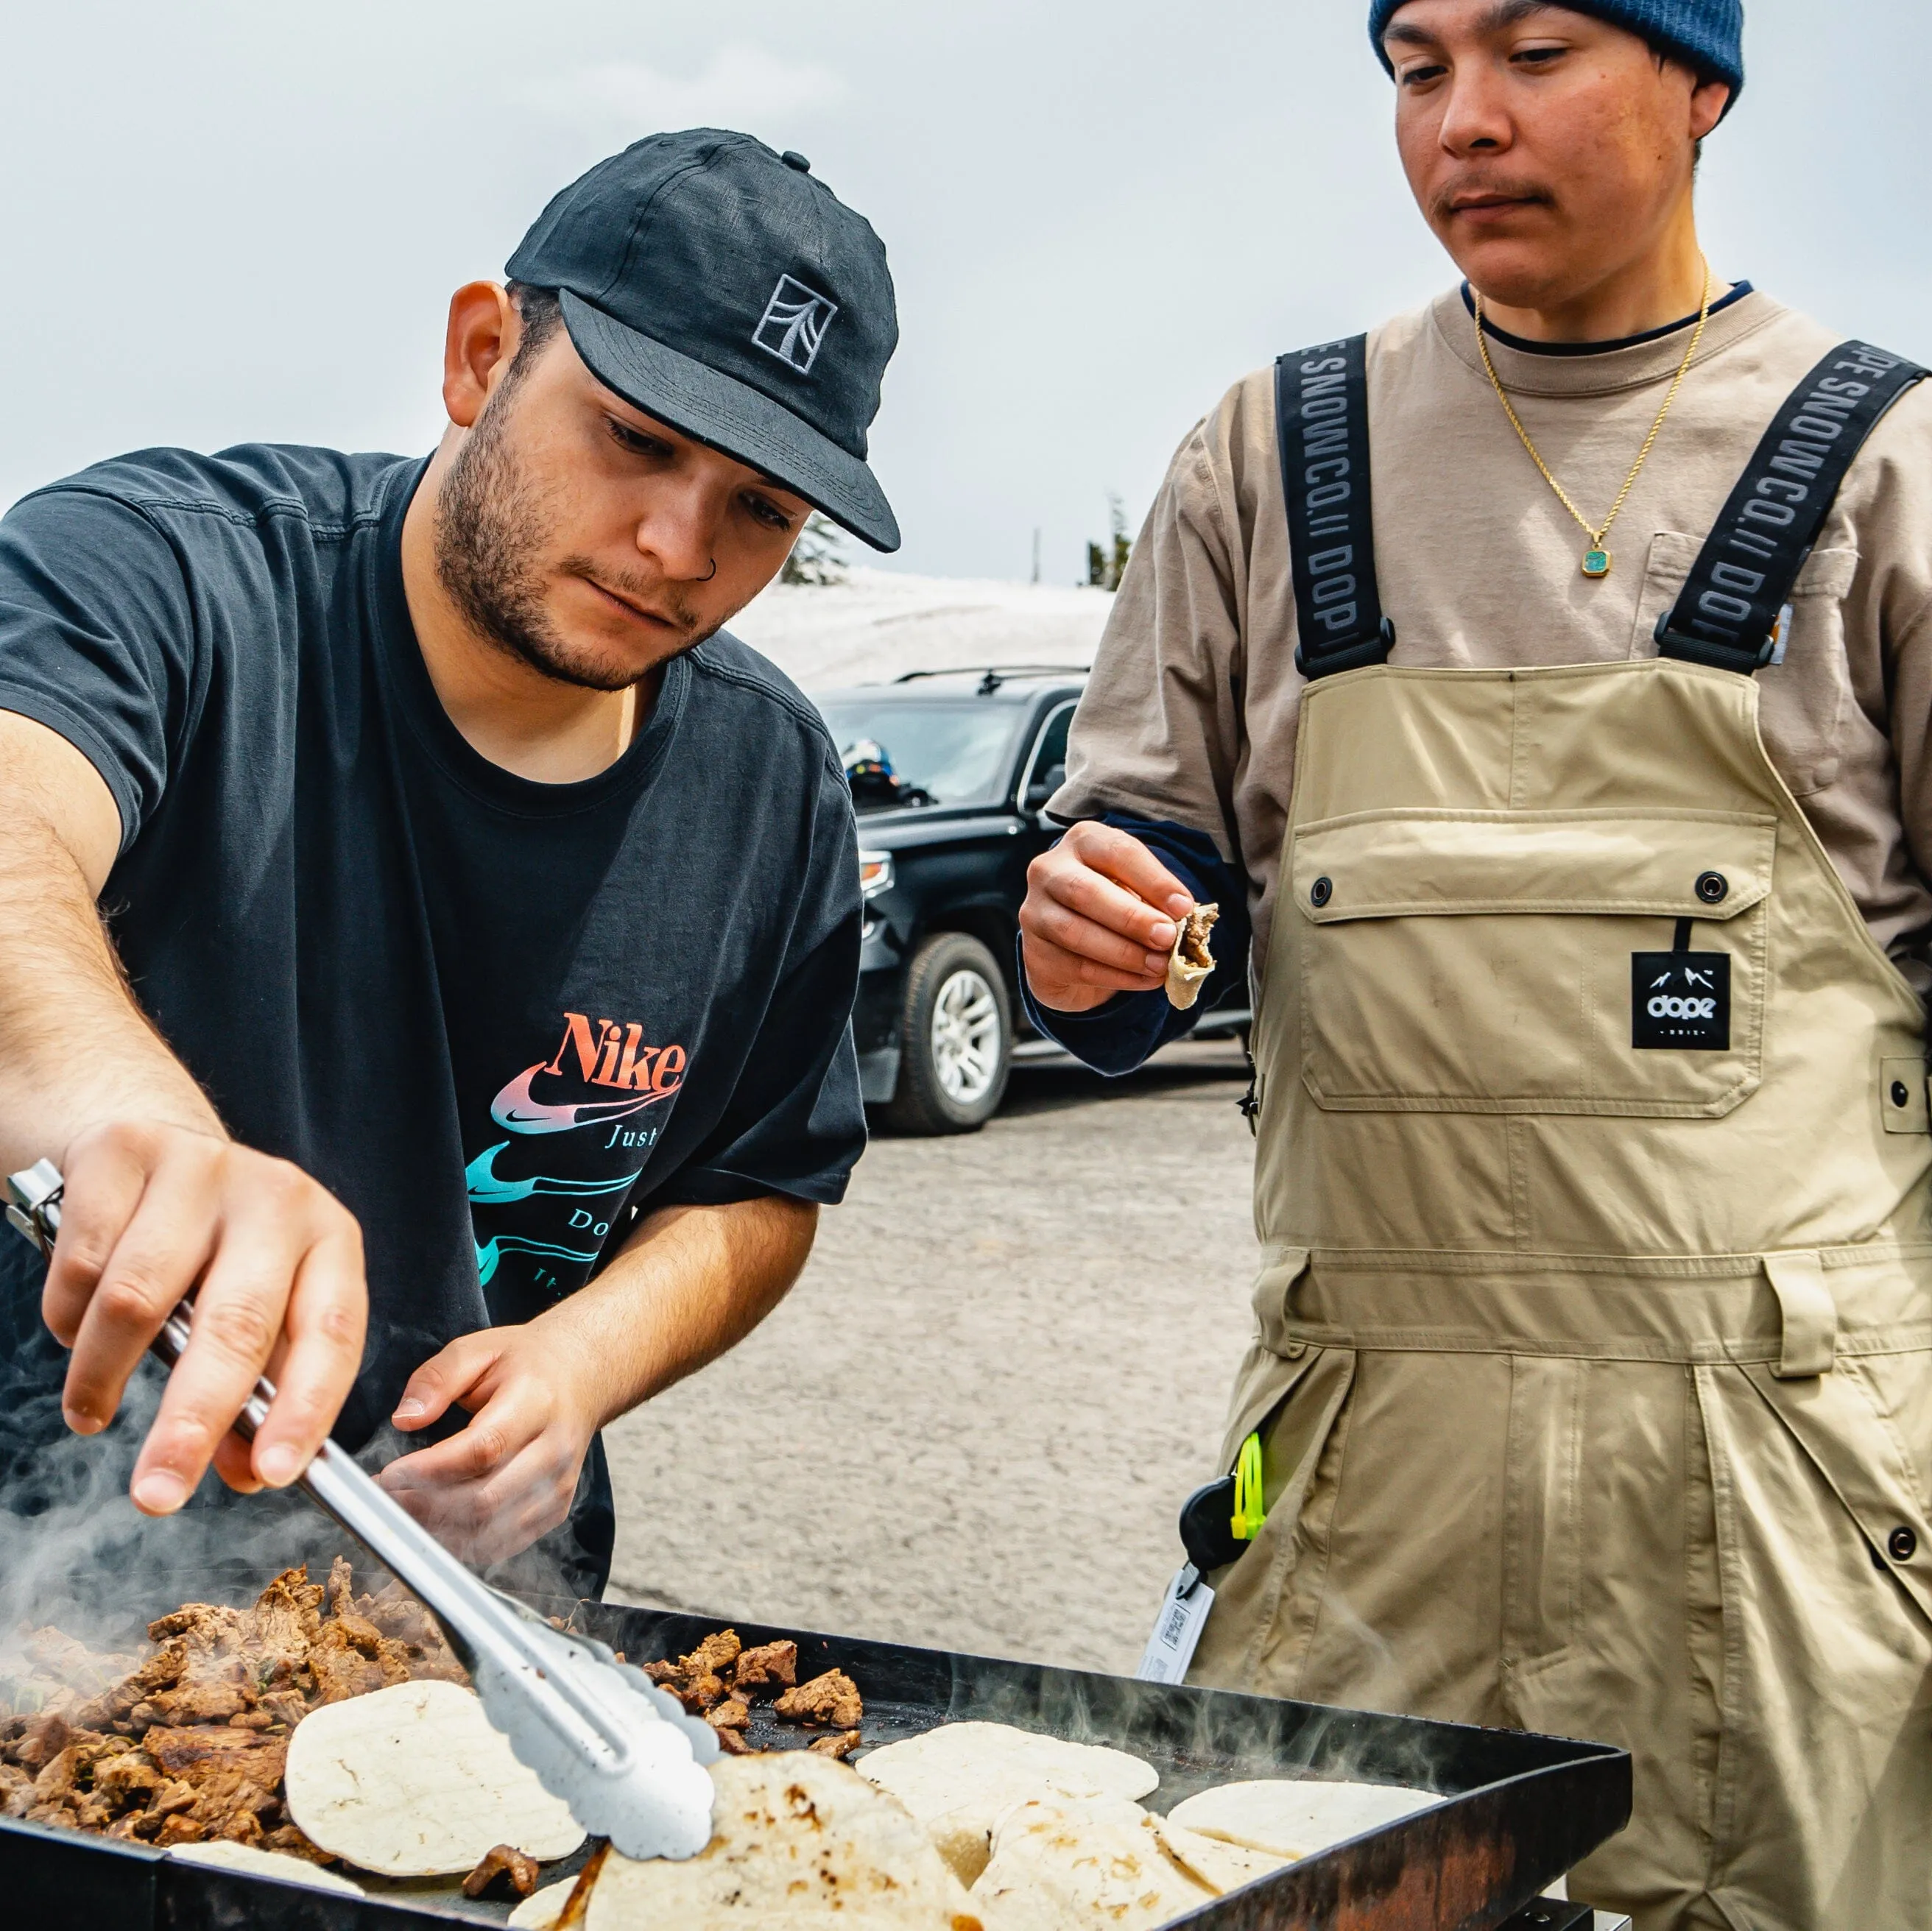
[1596, 559]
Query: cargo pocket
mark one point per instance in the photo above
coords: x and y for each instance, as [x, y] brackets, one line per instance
[1804, 698]
[1839, 1422]
[1826, 1640]
[1487, 961]
[1295, 1394]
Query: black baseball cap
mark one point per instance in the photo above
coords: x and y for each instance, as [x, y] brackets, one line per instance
[716, 285]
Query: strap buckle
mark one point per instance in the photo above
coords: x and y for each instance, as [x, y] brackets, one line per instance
[1747, 570]
[1355, 656]
[1674, 644]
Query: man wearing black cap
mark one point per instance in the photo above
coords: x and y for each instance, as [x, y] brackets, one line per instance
[1545, 679]
[480, 923]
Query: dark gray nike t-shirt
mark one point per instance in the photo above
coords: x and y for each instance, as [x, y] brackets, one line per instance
[498, 1019]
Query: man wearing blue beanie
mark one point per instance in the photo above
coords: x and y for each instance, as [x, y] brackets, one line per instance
[1544, 681]
[1706, 36]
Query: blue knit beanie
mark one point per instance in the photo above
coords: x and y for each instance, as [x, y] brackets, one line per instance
[1706, 34]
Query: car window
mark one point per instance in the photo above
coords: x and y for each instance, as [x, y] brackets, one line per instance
[898, 754]
[1050, 754]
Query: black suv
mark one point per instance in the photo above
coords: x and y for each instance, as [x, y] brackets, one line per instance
[949, 772]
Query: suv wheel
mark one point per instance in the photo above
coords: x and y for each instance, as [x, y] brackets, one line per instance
[956, 1039]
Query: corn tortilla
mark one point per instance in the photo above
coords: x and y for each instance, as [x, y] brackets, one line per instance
[413, 1781]
[276, 1864]
[1221, 1866]
[541, 1908]
[1070, 1864]
[1185, 978]
[959, 1779]
[1292, 1817]
[799, 1839]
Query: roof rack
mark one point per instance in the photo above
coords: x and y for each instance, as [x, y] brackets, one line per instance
[992, 676]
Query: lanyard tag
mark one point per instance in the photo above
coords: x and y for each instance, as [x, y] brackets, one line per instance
[1177, 1630]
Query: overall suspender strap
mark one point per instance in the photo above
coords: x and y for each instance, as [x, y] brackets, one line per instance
[1727, 616]
[1321, 424]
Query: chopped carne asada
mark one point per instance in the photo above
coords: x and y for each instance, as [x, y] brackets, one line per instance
[771, 1667]
[703, 1677]
[506, 1870]
[187, 1744]
[733, 1714]
[841, 1747]
[832, 1699]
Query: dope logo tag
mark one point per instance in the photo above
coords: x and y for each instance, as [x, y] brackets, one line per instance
[1681, 1002]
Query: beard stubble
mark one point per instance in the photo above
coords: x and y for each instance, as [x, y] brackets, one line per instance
[495, 525]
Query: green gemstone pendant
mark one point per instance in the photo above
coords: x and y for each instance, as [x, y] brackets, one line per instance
[1597, 563]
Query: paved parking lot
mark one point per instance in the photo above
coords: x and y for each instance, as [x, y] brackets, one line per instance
[971, 1424]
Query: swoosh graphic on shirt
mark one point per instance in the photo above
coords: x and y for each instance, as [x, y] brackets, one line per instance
[517, 1109]
[491, 1254]
[486, 1190]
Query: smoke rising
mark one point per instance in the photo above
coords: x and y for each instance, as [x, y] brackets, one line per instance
[1205, 1738]
[76, 1553]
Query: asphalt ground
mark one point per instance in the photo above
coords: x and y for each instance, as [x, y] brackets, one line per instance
[971, 1425]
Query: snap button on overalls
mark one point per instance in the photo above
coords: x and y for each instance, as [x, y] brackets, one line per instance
[1595, 1360]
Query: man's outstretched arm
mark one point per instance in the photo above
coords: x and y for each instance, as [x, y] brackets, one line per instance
[1121, 1032]
[159, 1200]
[690, 1283]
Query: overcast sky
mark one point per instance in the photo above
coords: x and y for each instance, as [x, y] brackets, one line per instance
[230, 220]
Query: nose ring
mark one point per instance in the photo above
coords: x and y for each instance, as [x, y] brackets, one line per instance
[714, 571]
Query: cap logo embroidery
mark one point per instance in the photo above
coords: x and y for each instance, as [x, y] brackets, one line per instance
[794, 324]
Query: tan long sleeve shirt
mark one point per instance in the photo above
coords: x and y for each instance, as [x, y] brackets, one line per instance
[1190, 714]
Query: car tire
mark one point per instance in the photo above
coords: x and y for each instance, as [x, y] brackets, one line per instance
[955, 1039]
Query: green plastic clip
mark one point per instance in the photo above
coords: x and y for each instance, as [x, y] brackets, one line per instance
[1250, 1512]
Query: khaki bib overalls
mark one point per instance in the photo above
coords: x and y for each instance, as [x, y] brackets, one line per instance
[1595, 1383]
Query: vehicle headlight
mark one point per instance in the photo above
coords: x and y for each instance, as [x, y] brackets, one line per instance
[875, 873]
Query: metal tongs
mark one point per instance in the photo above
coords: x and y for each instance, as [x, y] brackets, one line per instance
[599, 1733]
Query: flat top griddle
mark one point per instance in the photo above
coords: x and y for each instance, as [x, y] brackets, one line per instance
[1524, 1809]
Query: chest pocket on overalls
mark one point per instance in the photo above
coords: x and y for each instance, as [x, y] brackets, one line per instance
[1483, 961]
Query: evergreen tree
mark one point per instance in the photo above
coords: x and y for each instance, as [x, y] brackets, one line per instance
[818, 557]
[1107, 565]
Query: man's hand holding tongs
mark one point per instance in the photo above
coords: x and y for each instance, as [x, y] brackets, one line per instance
[159, 1202]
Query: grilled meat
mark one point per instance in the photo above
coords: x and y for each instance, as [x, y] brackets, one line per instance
[207, 1628]
[199, 1752]
[187, 1743]
[289, 1840]
[41, 1738]
[832, 1699]
[714, 1655]
[771, 1667]
[733, 1714]
[128, 1782]
[701, 1693]
[506, 1869]
[703, 1677]
[720, 1678]
[1193, 959]
[208, 1702]
[340, 1668]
